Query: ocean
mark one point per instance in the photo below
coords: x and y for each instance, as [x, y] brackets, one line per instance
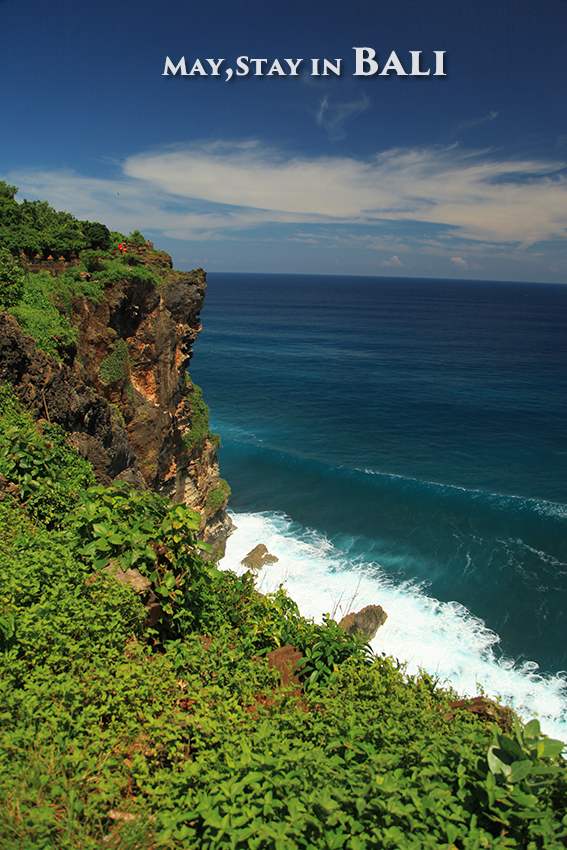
[402, 442]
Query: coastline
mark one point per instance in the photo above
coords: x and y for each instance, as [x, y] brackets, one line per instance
[444, 639]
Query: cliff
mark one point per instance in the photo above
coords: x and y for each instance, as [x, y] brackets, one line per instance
[123, 391]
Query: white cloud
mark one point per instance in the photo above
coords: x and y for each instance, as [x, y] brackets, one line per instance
[464, 202]
[460, 262]
[496, 200]
[474, 122]
[393, 262]
[333, 116]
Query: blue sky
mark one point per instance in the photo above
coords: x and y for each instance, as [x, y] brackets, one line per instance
[455, 176]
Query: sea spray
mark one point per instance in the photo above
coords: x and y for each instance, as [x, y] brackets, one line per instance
[443, 638]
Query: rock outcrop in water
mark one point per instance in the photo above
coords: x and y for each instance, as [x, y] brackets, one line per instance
[123, 392]
[258, 558]
[365, 622]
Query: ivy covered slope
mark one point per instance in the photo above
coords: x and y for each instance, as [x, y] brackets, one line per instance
[112, 327]
[122, 734]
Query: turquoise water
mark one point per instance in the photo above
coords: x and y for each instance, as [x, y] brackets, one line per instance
[404, 441]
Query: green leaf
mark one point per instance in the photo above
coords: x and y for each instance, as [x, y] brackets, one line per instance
[520, 770]
[545, 770]
[527, 800]
[495, 763]
[99, 563]
[549, 747]
[116, 539]
[532, 729]
[511, 747]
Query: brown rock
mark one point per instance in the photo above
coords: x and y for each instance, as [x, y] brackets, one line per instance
[153, 613]
[485, 708]
[158, 327]
[131, 427]
[50, 388]
[132, 577]
[286, 660]
[365, 623]
[258, 558]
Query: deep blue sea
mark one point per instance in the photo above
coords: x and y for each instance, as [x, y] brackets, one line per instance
[404, 442]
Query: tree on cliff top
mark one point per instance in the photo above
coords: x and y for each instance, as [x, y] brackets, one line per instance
[35, 227]
[97, 235]
[7, 191]
[11, 280]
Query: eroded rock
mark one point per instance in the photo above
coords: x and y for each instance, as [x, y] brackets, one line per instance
[51, 390]
[123, 393]
[366, 622]
[131, 577]
[258, 558]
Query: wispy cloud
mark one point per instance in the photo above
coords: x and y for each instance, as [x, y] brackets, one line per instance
[521, 201]
[474, 122]
[333, 116]
[217, 190]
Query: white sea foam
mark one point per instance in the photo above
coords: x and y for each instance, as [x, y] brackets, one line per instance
[443, 638]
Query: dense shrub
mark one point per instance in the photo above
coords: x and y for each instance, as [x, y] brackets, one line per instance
[34, 227]
[97, 235]
[136, 238]
[217, 497]
[40, 312]
[116, 367]
[199, 429]
[11, 280]
[47, 470]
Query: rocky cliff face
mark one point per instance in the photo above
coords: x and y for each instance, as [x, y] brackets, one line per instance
[50, 390]
[124, 393]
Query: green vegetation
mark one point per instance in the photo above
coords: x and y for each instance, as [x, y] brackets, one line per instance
[116, 734]
[11, 280]
[137, 238]
[40, 313]
[33, 232]
[126, 731]
[217, 497]
[46, 469]
[34, 227]
[42, 302]
[127, 268]
[215, 440]
[97, 235]
[199, 430]
[116, 367]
